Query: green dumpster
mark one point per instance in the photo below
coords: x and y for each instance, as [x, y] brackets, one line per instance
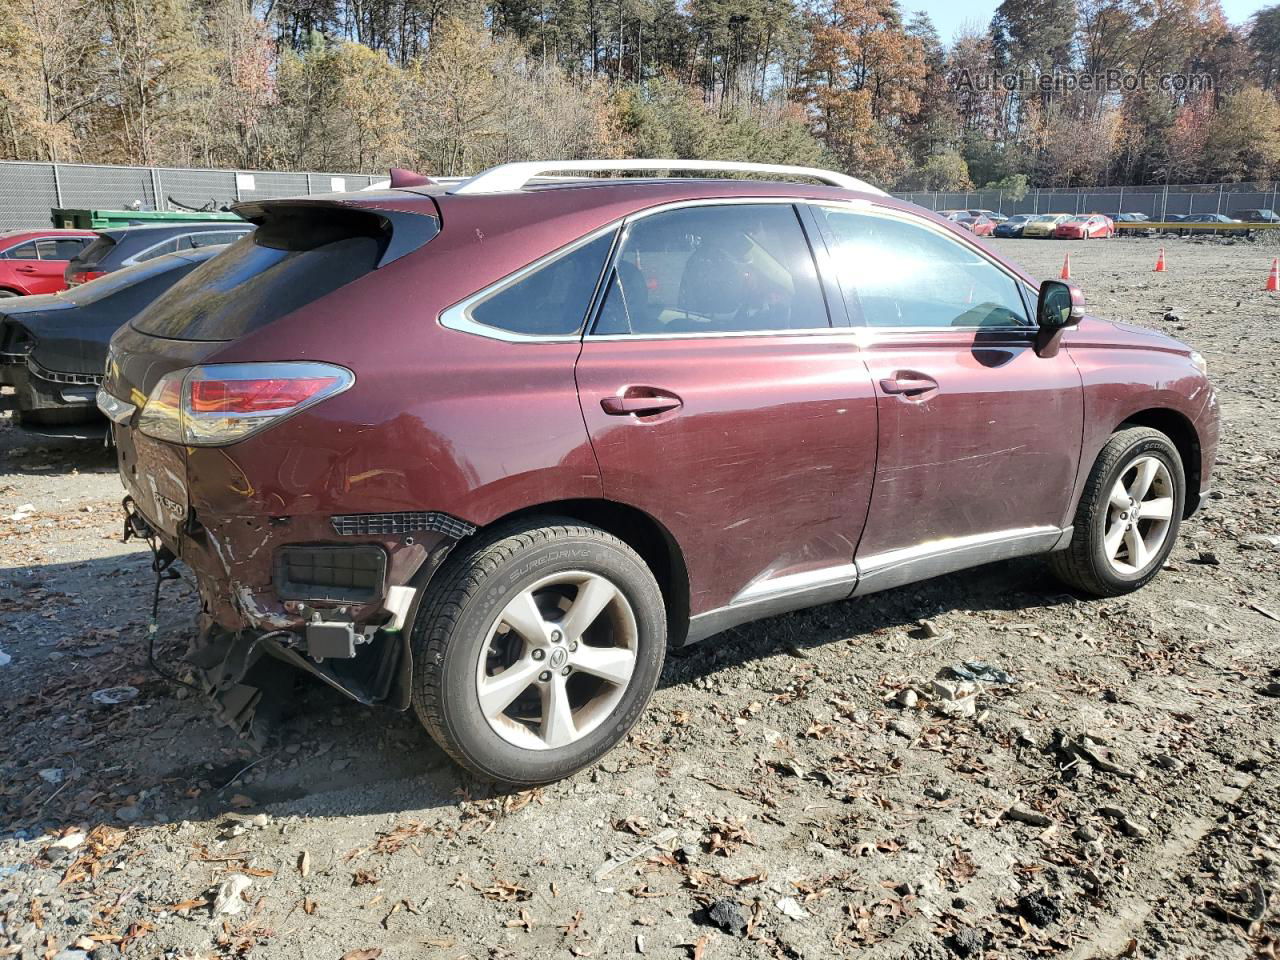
[103, 219]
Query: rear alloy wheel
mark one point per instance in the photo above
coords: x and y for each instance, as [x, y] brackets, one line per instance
[1128, 517]
[538, 649]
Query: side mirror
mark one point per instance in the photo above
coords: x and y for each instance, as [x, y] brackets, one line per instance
[1060, 305]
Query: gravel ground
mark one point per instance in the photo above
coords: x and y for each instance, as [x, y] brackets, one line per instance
[1118, 798]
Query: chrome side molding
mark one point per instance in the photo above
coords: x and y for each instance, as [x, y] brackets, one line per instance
[777, 595]
[938, 557]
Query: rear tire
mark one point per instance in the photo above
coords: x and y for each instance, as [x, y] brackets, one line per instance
[571, 615]
[9, 293]
[1127, 521]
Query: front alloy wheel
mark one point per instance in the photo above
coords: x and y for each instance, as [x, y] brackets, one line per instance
[1127, 521]
[537, 649]
[1139, 515]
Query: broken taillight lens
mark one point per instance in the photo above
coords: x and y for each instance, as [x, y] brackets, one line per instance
[220, 403]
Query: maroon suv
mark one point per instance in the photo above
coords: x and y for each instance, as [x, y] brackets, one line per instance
[490, 448]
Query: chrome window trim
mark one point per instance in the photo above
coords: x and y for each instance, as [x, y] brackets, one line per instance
[458, 317]
[879, 210]
[23, 243]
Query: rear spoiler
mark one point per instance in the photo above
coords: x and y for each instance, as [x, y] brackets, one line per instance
[405, 230]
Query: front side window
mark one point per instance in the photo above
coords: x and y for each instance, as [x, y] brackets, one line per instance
[895, 273]
[550, 300]
[737, 268]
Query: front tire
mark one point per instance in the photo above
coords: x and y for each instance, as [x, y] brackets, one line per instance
[539, 647]
[1128, 517]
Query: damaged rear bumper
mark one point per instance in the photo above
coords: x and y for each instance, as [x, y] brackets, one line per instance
[332, 596]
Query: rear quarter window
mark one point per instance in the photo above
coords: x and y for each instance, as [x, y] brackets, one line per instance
[552, 298]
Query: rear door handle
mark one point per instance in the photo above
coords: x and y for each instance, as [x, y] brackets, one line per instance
[25, 269]
[640, 403]
[909, 384]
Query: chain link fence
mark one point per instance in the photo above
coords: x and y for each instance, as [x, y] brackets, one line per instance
[1155, 202]
[29, 191]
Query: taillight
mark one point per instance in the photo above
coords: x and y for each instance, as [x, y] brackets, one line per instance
[84, 276]
[220, 403]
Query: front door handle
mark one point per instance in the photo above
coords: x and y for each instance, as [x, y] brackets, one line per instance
[640, 402]
[909, 384]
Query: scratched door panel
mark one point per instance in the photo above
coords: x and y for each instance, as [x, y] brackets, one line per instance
[993, 448]
[763, 471]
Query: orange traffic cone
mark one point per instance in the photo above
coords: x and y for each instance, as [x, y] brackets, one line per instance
[1066, 267]
[1160, 262]
[1273, 279]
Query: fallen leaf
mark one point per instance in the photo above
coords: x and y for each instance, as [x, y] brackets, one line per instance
[368, 953]
[304, 863]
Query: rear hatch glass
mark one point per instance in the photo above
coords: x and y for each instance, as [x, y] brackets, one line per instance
[94, 253]
[297, 255]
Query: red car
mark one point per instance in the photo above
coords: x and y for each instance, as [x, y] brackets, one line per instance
[1085, 227]
[490, 449]
[977, 224]
[33, 261]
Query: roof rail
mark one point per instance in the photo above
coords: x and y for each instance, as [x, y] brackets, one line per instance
[513, 176]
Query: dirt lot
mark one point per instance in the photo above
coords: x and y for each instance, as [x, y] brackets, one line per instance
[1121, 798]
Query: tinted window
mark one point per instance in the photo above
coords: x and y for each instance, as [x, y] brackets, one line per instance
[738, 268]
[160, 249]
[250, 284]
[25, 252]
[553, 299]
[95, 251]
[64, 248]
[899, 274]
[215, 238]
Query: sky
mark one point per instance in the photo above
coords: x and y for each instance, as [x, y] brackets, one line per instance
[952, 16]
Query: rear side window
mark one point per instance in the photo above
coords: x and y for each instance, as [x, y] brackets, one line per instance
[296, 257]
[214, 238]
[550, 300]
[895, 273]
[26, 251]
[173, 245]
[737, 268]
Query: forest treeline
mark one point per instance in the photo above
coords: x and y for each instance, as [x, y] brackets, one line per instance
[451, 86]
